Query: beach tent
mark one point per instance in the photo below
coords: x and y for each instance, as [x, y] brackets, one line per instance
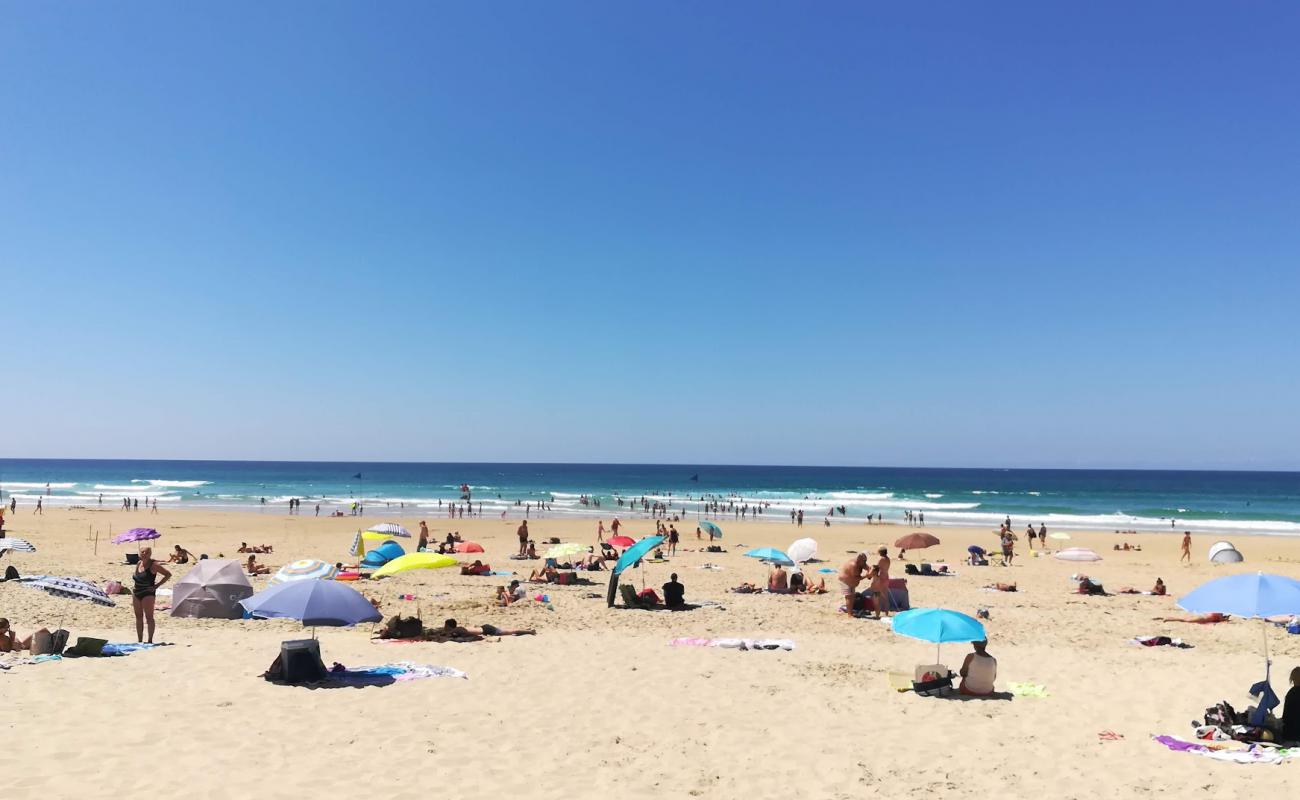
[469, 547]
[211, 590]
[1225, 553]
[365, 539]
[415, 561]
[382, 554]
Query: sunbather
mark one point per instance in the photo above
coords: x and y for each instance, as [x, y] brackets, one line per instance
[778, 580]
[10, 643]
[978, 672]
[544, 575]
[747, 588]
[1158, 589]
[1197, 619]
[180, 555]
[1001, 587]
[453, 632]
[477, 568]
[254, 568]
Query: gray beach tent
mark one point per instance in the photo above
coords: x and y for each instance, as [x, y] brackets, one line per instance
[212, 590]
[1225, 553]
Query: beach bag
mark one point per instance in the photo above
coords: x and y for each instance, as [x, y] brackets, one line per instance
[87, 646]
[1222, 715]
[911, 569]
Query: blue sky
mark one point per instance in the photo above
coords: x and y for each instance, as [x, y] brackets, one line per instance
[932, 234]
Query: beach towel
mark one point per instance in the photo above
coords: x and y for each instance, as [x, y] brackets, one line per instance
[1160, 641]
[735, 644]
[899, 681]
[127, 648]
[386, 674]
[1027, 689]
[1235, 752]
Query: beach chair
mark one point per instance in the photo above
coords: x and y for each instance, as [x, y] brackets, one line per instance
[630, 598]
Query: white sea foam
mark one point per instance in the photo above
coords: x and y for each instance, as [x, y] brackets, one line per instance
[177, 484]
[1117, 521]
[933, 496]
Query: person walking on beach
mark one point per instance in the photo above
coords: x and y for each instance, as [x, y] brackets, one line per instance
[600, 531]
[523, 538]
[851, 574]
[39, 508]
[144, 589]
[154, 506]
[1187, 548]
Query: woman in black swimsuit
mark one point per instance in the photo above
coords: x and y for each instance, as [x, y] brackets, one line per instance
[143, 589]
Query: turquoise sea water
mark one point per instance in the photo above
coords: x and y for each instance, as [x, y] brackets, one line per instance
[1247, 502]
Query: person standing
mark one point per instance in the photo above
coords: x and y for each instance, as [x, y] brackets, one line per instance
[39, 508]
[851, 574]
[424, 537]
[600, 531]
[880, 583]
[673, 537]
[523, 538]
[1187, 548]
[144, 589]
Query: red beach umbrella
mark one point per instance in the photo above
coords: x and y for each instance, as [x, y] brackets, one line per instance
[917, 541]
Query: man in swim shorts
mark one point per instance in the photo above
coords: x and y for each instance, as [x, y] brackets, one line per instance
[851, 574]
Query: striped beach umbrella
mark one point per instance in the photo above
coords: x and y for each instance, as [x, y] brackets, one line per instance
[304, 569]
[392, 529]
[70, 588]
[20, 545]
[136, 535]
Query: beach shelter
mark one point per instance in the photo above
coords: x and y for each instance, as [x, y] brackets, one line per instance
[1252, 595]
[1076, 554]
[382, 554]
[771, 554]
[366, 539]
[801, 550]
[1225, 553]
[313, 603]
[629, 558]
[211, 590]
[136, 535]
[390, 529]
[304, 569]
[414, 561]
[916, 541]
[938, 625]
[18, 545]
[69, 588]
[469, 547]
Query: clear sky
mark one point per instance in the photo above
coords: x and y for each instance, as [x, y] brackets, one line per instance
[931, 234]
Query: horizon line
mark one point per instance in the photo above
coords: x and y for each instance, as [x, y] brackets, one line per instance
[663, 464]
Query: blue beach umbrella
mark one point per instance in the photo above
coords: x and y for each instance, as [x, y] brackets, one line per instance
[938, 625]
[1252, 595]
[635, 553]
[771, 554]
[711, 529]
[313, 603]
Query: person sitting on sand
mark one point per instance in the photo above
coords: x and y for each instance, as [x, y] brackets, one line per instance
[546, 574]
[180, 555]
[1089, 586]
[510, 596]
[254, 568]
[674, 593]
[1291, 710]
[10, 643]
[532, 550]
[1197, 619]
[477, 568]
[778, 580]
[978, 672]
[851, 574]
[1001, 587]
[244, 548]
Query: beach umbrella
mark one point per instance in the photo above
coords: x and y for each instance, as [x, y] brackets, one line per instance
[136, 535]
[1253, 595]
[414, 561]
[313, 603]
[801, 550]
[771, 554]
[620, 541]
[916, 541]
[70, 588]
[390, 529]
[19, 545]
[565, 550]
[711, 529]
[469, 547]
[211, 590]
[304, 569]
[938, 625]
[1076, 554]
[634, 553]
[363, 538]
[1225, 553]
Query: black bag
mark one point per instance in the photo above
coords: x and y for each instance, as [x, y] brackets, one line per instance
[300, 661]
[933, 688]
[1222, 715]
[911, 569]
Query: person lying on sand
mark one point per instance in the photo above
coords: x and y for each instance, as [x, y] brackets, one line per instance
[1157, 590]
[9, 641]
[1089, 586]
[453, 632]
[1001, 587]
[254, 568]
[1197, 619]
[748, 588]
[477, 568]
[180, 555]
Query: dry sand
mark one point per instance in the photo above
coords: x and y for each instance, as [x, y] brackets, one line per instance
[598, 704]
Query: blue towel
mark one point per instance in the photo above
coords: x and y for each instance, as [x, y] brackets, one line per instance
[1267, 702]
[127, 648]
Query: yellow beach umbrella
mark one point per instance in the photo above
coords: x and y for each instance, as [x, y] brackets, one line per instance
[565, 550]
[414, 561]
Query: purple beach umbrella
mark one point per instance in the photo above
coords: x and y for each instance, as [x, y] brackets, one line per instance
[136, 535]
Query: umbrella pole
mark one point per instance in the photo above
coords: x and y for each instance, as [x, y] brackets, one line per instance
[1268, 665]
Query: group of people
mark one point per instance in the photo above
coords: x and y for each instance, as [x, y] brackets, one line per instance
[877, 595]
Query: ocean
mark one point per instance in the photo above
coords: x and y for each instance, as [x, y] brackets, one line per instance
[1245, 502]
